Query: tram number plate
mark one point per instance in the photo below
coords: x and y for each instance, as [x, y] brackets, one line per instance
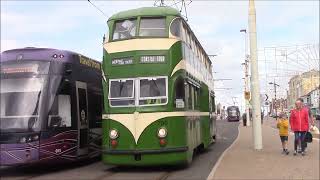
[122, 61]
[179, 103]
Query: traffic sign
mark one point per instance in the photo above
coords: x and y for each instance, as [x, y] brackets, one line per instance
[247, 95]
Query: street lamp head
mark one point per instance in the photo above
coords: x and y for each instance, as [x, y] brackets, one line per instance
[243, 30]
[270, 83]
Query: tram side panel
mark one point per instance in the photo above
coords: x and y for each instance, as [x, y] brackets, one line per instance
[64, 143]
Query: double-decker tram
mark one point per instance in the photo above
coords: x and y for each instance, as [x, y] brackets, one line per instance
[51, 104]
[233, 113]
[158, 90]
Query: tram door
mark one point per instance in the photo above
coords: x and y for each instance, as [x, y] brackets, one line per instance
[83, 124]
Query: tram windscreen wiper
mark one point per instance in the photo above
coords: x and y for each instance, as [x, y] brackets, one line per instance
[33, 120]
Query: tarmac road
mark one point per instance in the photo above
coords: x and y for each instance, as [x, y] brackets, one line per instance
[199, 169]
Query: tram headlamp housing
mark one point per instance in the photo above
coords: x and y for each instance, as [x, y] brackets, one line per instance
[113, 134]
[23, 140]
[35, 137]
[29, 138]
[162, 132]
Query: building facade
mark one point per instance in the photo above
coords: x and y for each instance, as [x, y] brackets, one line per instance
[312, 99]
[302, 85]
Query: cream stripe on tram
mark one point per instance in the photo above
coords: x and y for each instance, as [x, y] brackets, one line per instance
[137, 122]
[140, 44]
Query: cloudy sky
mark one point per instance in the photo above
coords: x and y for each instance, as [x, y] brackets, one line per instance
[78, 26]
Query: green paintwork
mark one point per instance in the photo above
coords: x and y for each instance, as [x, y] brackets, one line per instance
[148, 141]
[148, 159]
[139, 70]
[182, 131]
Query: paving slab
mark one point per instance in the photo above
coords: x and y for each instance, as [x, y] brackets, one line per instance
[241, 161]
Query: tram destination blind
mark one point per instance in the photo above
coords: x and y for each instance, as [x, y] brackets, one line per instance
[122, 61]
[152, 59]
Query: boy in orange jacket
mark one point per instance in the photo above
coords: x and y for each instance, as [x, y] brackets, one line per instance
[283, 126]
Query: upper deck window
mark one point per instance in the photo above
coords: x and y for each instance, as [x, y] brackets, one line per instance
[175, 27]
[124, 29]
[154, 27]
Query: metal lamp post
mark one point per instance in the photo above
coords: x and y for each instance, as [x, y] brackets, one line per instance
[275, 96]
[246, 76]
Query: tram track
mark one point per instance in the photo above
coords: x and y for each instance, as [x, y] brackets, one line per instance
[7, 175]
[104, 176]
[31, 177]
[164, 176]
[96, 170]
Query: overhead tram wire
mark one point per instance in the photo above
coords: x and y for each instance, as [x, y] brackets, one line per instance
[175, 3]
[299, 57]
[98, 9]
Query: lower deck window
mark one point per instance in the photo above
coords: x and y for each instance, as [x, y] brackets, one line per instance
[122, 102]
[152, 101]
[153, 91]
[150, 91]
[121, 92]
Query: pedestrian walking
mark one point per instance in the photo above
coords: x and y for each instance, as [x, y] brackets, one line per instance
[223, 113]
[299, 123]
[250, 114]
[244, 119]
[283, 126]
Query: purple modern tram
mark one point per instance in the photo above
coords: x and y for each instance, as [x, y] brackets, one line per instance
[51, 103]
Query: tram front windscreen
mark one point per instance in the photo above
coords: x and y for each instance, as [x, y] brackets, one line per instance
[22, 90]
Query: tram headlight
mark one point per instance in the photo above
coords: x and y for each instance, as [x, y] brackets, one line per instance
[162, 132]
[35, 137]
[23, 140]
[113, 134]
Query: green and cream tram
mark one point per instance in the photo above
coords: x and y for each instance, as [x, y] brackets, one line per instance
[158, 90]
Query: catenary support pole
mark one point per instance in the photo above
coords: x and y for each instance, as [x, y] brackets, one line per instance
[255, 91]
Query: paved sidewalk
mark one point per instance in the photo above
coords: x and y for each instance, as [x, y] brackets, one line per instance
[241, 161]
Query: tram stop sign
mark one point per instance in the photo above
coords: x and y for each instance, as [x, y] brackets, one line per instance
[247, 95]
